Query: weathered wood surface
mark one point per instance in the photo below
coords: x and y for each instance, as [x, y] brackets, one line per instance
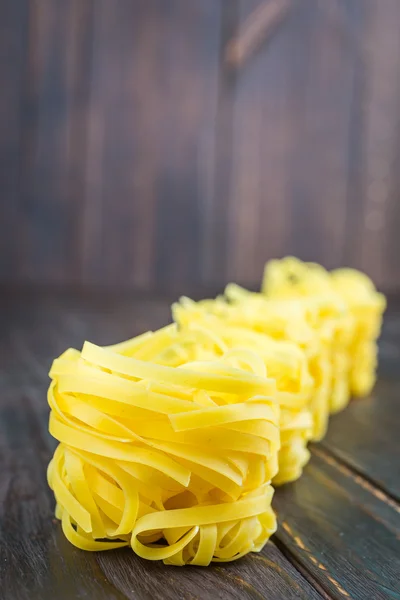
[132, 152]
[339, 525]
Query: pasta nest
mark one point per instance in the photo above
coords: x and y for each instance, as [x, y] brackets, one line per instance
[172, 456]
[351, 308]
[283, 360]
[283, 320]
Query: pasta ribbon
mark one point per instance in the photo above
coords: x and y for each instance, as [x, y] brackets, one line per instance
[284, 323]
[164, 449]
[351, 309]
[283, 360]
[169, 441]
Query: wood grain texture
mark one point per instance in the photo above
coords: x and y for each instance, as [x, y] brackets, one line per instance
[338, 536]
[321, 107]
[52, 146]
[151, 132]
[215, 258]
[343, 534]
[292, 118]
[374, 199]
[135, 155]
[371, 423]
[262, 136]
[13, 38]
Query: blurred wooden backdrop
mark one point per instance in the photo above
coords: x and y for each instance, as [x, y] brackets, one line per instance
[133, 153]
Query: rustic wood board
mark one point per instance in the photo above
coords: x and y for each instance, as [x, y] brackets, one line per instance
[133, 152]
[339, 524]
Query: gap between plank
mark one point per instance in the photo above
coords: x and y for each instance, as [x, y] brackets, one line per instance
[359, 476]
[300, 568]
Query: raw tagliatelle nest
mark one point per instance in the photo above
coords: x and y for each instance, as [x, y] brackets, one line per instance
[351, 314]
[174, 459]
[287, 321]
[203, 332]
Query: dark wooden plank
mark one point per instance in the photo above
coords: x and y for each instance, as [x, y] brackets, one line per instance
[188, 142]
[373, 191]
[389, 342]
[35, 559]
[215, 250]
[265, 575]
[13, 43]
[257, 207]
[322, 91]
[150, 166]
[118, 216]
[365, 436]
[340, 531]
[291, 97]
[391, 241]
[53, 142]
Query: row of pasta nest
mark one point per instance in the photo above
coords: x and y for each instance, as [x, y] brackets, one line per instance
[171, 442]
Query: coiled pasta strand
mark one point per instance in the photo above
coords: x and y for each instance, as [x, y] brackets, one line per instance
[283, 321]
[168, 442]
[283, 360]
[353, 309]
[174, 460]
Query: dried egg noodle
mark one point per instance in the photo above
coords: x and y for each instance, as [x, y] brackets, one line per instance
[283, 320]
[168, 442]
[174, 460]
[356, 323]
[283, 360]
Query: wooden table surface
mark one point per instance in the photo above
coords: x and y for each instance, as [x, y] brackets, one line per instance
[339, 525]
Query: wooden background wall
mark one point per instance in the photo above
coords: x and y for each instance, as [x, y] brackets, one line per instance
[132, 153]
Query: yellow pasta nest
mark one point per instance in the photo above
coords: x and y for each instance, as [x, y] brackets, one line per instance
[283, 320]
[170, 455]
[355, 321]
[283, 360]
